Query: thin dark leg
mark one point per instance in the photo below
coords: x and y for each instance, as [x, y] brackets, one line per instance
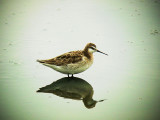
[68, 75]
[72, 75]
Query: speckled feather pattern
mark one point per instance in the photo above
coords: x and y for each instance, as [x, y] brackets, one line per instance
[64, 59]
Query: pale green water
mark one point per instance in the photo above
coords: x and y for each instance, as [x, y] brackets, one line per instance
[129, 78]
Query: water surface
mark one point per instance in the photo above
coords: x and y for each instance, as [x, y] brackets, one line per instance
[128, 31]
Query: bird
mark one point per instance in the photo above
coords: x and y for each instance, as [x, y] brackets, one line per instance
[73, 62]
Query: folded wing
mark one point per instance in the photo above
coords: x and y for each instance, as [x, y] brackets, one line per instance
[64, 59]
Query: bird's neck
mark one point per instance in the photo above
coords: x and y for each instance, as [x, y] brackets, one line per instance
[87, 53]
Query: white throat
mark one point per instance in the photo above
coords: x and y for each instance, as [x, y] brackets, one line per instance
[90, 50]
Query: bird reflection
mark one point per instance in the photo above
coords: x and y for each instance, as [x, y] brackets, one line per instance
[72, 88]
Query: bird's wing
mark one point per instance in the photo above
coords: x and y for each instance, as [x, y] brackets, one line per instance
[64, 59]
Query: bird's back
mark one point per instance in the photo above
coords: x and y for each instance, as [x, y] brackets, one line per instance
[64, 59]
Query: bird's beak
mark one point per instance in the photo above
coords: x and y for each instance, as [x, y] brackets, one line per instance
[101, 52]
[101, 100]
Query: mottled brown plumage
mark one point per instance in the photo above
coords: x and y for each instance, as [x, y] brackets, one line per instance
[64, 59]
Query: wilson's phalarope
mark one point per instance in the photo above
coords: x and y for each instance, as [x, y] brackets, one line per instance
[73, 62]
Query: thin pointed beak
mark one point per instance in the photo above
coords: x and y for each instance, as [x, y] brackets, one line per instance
[102, 52]
[101, 100]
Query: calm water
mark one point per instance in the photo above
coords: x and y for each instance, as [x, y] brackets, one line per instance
[128, 78]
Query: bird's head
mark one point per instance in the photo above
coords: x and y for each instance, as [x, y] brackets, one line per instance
[91, 48]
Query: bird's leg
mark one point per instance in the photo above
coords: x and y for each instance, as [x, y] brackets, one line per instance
[68, 75]
[72, 75]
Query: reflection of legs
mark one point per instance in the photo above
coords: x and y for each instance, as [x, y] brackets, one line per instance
[71, 74]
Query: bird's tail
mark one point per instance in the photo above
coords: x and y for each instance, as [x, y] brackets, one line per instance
[41, 61]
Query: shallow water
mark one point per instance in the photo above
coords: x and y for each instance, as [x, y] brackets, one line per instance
[129, 79]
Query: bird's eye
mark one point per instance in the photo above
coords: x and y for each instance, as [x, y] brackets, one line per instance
[92, 48]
